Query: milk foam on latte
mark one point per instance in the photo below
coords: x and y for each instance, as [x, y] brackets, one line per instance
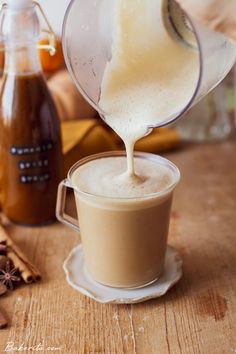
[106, 177]
[150, 77]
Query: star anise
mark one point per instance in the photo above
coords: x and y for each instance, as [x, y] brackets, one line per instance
[3, 249]
[8, 276]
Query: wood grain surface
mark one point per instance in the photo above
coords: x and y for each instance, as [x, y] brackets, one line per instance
[197, 316]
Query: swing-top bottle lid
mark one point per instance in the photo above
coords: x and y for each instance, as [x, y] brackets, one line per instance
[18, 4]
[17, 28]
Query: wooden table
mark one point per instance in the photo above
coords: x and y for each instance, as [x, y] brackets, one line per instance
[197, 316]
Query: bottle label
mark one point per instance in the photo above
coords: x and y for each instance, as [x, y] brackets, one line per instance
[29, 150]
[32, 167]
[29, 179]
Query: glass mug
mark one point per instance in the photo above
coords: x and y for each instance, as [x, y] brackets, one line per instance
[87, 44]
[124, 239]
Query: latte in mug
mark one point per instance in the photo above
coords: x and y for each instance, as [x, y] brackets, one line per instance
[124, 224]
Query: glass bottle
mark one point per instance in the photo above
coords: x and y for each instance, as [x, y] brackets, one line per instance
[31, 164]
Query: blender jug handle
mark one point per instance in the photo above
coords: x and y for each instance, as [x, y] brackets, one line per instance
[60, 207]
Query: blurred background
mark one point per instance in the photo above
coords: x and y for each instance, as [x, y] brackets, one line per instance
[49, 6]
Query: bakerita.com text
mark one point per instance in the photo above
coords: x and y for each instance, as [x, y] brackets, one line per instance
[11, 347]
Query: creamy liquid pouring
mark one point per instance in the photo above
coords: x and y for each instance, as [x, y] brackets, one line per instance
[150, 77]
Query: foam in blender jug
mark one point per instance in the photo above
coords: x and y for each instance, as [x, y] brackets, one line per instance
[89, 39]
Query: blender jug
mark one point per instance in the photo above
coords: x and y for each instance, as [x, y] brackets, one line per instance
[87, 42]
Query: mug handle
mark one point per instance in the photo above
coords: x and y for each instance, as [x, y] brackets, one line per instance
[60, 207]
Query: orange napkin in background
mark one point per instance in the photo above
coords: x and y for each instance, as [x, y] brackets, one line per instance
[83, 138]
[90, 136]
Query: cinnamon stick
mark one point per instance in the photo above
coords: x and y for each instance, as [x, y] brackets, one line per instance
[3, 321]
[29, 272]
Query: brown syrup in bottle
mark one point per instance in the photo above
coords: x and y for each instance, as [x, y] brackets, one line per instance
[30, 149]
